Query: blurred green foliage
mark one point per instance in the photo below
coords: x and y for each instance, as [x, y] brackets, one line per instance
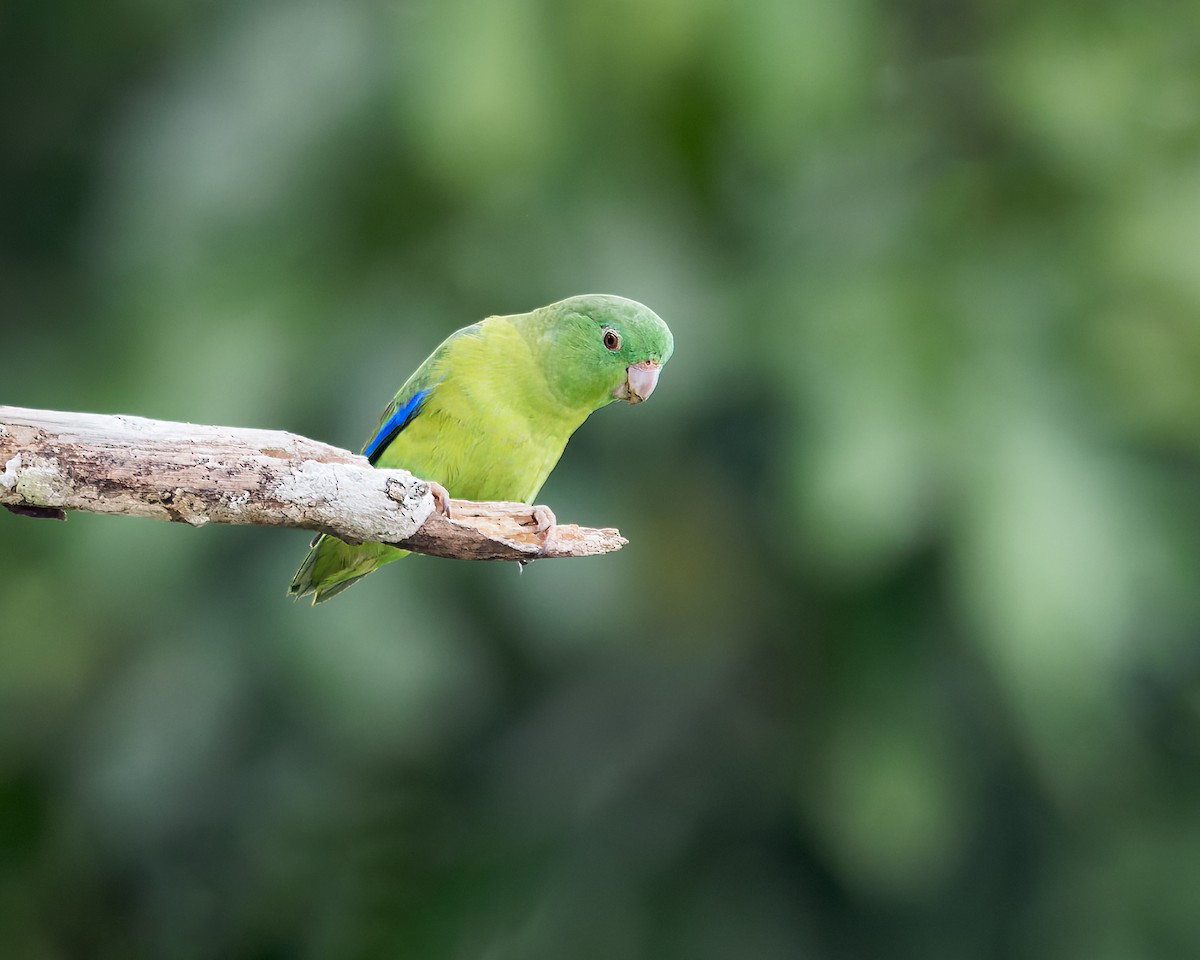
[931, 690]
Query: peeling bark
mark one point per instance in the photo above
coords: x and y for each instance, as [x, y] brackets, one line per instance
[52, 462]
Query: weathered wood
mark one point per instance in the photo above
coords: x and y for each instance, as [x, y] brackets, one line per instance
[500, 530]
[52, 462]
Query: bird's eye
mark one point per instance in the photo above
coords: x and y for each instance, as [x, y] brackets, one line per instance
[612, 339]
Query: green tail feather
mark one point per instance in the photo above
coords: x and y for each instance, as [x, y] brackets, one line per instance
[332, 565]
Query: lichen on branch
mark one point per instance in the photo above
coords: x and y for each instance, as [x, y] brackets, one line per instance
[52, 462]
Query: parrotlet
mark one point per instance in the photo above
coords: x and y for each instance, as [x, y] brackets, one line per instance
[488, 414]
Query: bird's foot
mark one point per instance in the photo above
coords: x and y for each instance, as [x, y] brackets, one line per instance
[544, 523]
[441, 498]
[543, 519]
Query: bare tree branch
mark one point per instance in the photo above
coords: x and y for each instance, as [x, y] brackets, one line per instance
[51, 462]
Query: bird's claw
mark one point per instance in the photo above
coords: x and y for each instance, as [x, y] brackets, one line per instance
[544, 520]
[441, 498]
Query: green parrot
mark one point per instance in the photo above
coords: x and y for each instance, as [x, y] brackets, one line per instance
[487, 415]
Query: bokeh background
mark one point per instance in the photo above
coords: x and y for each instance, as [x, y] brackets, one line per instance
[904, 656]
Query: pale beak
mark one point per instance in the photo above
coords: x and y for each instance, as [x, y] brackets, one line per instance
[640, 381]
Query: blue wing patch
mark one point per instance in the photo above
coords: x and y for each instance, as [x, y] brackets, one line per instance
[401, 417]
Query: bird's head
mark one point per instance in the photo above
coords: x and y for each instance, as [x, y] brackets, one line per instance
[601, 348]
